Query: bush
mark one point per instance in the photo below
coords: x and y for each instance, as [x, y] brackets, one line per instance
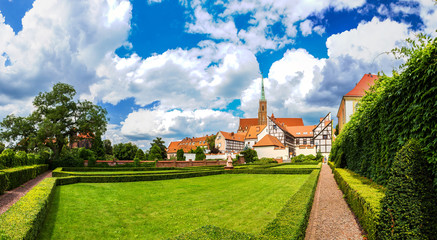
[25, 218]
[32, 158]
[20, 159]
[19, 175]
[68, 158]
[200, 155]
[136, 161]
[363, 196]
[305, 158]
[408, 208]
[3, 182]
[265, 161]
[7, 158]
[180, 155]
[250, 155]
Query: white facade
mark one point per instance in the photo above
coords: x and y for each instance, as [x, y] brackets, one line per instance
[306, 150]
[271, 152]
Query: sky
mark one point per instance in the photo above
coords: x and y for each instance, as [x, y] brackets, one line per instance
[175, 69]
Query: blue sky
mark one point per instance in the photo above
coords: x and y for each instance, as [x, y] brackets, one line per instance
[175, 69]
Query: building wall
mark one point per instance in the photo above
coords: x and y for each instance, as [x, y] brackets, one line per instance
[306, 150]
[220, 142]
[270, 152]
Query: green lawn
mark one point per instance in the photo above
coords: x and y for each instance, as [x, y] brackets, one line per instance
[300, 166]
[163, 209]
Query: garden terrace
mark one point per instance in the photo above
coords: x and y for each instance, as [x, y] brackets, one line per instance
[206, 202]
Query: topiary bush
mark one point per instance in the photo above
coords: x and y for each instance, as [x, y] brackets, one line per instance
[409, 208]
[7, 158]
[20, 159]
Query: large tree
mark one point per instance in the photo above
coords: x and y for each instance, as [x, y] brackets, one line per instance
[125, 151]
[56, 118]
[161, 144]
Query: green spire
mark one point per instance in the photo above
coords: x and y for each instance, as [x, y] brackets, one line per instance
[263, 96]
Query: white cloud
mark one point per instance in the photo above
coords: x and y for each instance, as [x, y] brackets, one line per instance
[428, 13]
[307, 27]
[148, 124]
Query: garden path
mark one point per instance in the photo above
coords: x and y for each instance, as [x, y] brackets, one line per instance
[12, 196]
[331, 217]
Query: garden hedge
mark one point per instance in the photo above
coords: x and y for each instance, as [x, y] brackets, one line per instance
[19, 175]
[25, 218]
[395, 110]
[292, 220]
[363, 196]
[3, 182]
[214, 233]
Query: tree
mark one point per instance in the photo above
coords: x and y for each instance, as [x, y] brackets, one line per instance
[107, 146]
[211, 144]
[250, 155]
[161, 144]
[200, 155]
[336, 130]
[56, 117]
[97, 147]
[180, 155]
[140, 155]
[125, 151]
[155, 153]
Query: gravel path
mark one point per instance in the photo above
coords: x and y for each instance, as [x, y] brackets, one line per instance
[12, 196]
[330, 216]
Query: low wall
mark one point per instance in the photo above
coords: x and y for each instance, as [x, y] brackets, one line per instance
[161, 164]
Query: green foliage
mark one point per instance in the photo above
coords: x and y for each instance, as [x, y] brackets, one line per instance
[107, 146]
[292, 220]
[265, 161]
[336, 130]
[408, 208]
[7, 158]
[395, 110]
[87, 154]
[301, 158]
[250, 155]
[125, 151]
[4, 182]
[19, 175]
[211, 144]
[214, 233]
[364, 198]
[2, 147]
[68, 158]
[25, 218]
[56, 117]
[155, 153]
[161, 144]
[20, 159]
[97, 147]
[140, 155]
[200, 155]
[180, 155]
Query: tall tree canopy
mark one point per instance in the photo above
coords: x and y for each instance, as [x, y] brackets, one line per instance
[56, 118]
[161, 144]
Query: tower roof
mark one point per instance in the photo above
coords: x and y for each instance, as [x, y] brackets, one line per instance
[263, 96]
[363, 85]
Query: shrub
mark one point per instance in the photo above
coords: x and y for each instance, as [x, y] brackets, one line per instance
[7, 158]
[250, 155]
[20, 159]
[44, 157]
[3, 182]
[25, 218]
[408, 208]
[200, 155]
[140, 155]
[68, 158]
[32, 159]
[180, 155]
[136, 161]
[19, 175]
[363, 197]
[265, 161]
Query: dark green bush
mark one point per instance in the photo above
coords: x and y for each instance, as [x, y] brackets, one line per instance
[180, 155]
[7, 158]
[395, 110]
[265, 161]
[19, 175]
[68, 158]
[250, 155]
[21, 158]
[409, 208]
[32, 158]
[25, 218]
[4, 182]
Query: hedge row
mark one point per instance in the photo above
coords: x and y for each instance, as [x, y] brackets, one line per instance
[214, 233]
[331, 164]
[292, 220]
[15, 177]
[115, 169]
[363, 196]
[25, 218]
[3, 183]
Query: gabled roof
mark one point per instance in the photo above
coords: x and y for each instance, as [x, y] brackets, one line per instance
[269, 140]
[246, 123]
[362, 86]
[290, 121]
[254, 131]
[234, 136]
[302, 131]
[173, 147]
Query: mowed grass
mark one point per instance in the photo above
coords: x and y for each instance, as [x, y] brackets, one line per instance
[163, 209]
[300, 166]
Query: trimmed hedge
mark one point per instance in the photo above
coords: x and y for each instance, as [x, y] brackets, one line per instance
[25, 218]
[331, 164]
[214, 233]
[363, 196]
[3, 182]
[19, 175]
[292, 220]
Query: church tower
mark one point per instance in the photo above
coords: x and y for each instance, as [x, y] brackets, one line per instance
[262, 110]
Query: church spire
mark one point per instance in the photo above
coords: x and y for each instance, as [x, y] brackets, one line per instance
[263, 96]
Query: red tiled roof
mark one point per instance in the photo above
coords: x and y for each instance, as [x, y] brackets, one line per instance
[254, 131]
[246, 123]
[188, 144]
[234, 136]
[290, 121]
[302, 131]
[269, 140]
[363, 85]
[173, 147]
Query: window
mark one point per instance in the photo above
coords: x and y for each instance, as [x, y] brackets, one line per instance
[220, 144]
[297, 141]
[312, 142]
[304, 142]
[325, 136]
[262, 108]
[274, 127]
